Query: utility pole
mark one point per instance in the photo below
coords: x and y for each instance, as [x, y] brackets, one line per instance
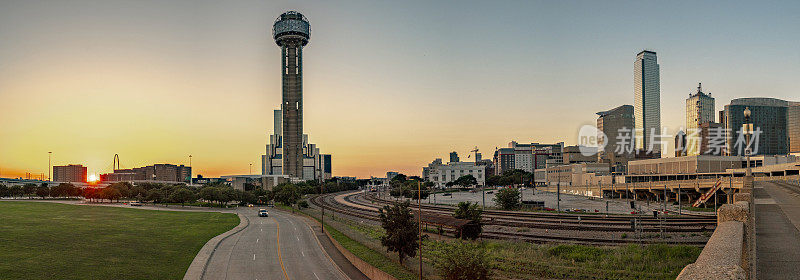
[419, 220]
[251, 169]
[322, 204]
[679, 200]
[49, 166]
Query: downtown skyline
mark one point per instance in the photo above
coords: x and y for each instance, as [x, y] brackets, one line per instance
[155, 89]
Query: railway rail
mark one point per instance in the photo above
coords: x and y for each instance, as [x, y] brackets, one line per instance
[358, 206]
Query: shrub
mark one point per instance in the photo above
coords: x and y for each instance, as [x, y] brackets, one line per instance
[463, 261]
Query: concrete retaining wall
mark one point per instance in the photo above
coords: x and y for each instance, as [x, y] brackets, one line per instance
[730, 251]
[370, 271]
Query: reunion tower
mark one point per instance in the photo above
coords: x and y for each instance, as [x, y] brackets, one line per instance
[291, 32]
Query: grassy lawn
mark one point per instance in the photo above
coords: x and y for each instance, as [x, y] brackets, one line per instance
[41, 240]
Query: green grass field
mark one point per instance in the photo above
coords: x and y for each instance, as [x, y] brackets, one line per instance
[41, 240]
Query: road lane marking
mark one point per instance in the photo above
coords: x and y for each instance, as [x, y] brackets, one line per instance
[280, 258]
[304, 254]
[256, 240]
[262, 229]
[315, 275]
[254, 256]
[298, 238]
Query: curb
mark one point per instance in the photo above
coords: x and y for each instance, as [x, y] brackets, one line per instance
[198, 267]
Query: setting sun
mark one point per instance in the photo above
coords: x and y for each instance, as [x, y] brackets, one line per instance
[92, 178]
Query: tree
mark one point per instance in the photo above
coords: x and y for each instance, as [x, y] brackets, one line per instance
[493, 180]
[287, 194]
[507, 198]
[401, 230]
[466, 181]
[43, 191]
[398, 180]
[4, 191]
[182, 195]
[110, 193]
[124, 188]
[15, 191]
[29, 189]
[472, 212]
[154, 195]
[463, 261]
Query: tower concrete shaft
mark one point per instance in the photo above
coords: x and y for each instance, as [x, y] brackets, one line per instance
[291, 32]
[292, 107]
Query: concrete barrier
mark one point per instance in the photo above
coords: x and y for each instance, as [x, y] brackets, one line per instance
[727, 255]
[370, 271]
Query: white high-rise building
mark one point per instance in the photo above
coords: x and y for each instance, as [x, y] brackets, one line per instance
[699, 110]
[647, 101]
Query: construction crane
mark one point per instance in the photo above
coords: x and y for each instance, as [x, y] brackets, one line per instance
[475, 151]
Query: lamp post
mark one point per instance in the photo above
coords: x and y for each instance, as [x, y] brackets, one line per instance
[747, 128]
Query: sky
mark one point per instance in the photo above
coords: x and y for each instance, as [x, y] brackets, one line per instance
[388, 85]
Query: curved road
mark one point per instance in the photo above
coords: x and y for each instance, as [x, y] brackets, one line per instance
[281, 246]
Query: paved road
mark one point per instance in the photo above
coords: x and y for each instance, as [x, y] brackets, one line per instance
[281, 246]
[777, 230]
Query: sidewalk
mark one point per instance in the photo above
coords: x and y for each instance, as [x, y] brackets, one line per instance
[777, 230]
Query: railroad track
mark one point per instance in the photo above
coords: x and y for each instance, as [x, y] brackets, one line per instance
[562, 221]
[370, 212]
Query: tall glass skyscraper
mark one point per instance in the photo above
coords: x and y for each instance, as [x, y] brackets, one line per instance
[647, 100]
[768, 115]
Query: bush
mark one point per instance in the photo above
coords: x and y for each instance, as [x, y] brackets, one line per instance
[472, 212]
[507, 198]
[302, 204]
[463, 261]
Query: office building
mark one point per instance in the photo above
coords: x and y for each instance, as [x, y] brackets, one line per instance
[454, 157]
[768, 115]
[316, 166]
[69, 173]
[699, 110]
[647, 101]
[572, 154]
[619, 142]
[680, 144]
[793, 129]
[291, 32]
[711, 139]
[527, 157]
[441, 174]
[157, 172]
[576, 174]
[252, 182]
